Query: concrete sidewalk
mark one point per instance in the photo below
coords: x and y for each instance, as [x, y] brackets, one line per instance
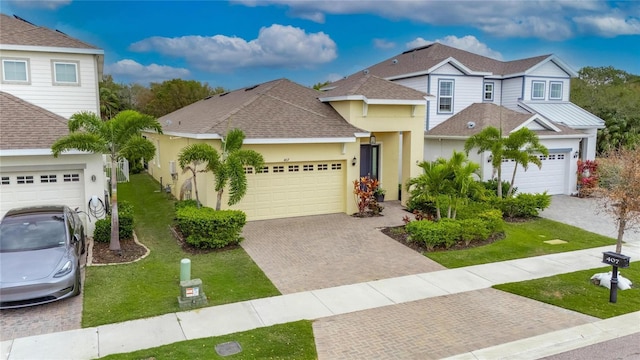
[125, 337]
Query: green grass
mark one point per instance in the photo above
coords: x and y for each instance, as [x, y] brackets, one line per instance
[574, 291]
[150, 287]
[523, 240]
[288, 341]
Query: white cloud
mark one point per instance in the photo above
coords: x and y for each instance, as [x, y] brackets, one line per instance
[276, 46]
[41, 4]
[149, 73]
[469, 43]
[383, 44]
[609, 25]
[551, 20]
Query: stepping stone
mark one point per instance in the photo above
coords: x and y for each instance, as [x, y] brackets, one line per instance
[555, 242]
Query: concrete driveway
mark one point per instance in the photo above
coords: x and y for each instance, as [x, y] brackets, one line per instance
[315, 252]
[588, 214]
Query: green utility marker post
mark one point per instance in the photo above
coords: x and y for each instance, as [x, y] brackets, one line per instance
[191, 292]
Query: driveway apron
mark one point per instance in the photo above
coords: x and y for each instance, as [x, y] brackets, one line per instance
[315, 252]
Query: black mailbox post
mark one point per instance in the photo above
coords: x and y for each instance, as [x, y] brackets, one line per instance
[617, 261]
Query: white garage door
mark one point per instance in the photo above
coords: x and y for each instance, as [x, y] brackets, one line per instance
[294, 189]
[29, 188]
[551, 177]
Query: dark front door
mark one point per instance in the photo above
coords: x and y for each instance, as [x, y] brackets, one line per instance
[369, 160]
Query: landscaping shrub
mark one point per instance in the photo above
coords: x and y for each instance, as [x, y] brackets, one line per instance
[492, 186]
[524, 205]
[434, 233]
[205, 227]
[102, 232]
[185, 203]
[473, 230]
[493, 220]
[473, 209]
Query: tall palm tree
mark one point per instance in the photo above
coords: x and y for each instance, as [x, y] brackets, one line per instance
[523, 146]
[433, 183]
[228, 167]
[463, 182]
[194, 155]
[118, 137]
[489, 139]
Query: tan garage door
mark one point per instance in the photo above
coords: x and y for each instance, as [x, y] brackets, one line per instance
[294, 189]
[30, 188]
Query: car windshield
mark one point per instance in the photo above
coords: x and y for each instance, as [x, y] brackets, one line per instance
[32, 232]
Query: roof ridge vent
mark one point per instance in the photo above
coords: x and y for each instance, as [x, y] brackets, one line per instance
[224, 93]
[23, 19]
[251, 87]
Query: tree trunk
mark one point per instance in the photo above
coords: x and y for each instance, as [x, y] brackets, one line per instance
[114, 244]
[500, 181]
[513, 180]
[195, 189]
[219, 200]
[622, 224]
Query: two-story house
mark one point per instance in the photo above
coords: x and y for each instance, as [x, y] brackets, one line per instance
[46, 76]
[471, 92]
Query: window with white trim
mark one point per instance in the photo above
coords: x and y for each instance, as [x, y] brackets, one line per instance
[337, 166]
[294, 168]
[537, 90]
[5, 180]
[307, 167]
[248, 170]
[48, 178]
[322, 167]
[65, 73]
[445, 96]
[555, 91]
[24, 179]
[71, 177]
[264, 170]
[15, 70]
[278, 169]
[488, 91]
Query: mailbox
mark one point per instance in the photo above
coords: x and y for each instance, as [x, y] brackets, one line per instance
[615, 259]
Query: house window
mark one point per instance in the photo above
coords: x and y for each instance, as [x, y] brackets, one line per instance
[552, 157]
[265, 170]
[336, 166]
[5, 180]
[307, 167]
[537, 90]
[48, 178]
[71, 177]
[445, 96]
[278, 169]
[555, 91]
[560, 156]
[248, 170]
[294, 168]
[488, 91]
[65, 73]
[25, 179]
[15, 70]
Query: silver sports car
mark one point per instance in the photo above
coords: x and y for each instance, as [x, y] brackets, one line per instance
[40, 249]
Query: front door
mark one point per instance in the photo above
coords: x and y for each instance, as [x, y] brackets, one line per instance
[370, 161]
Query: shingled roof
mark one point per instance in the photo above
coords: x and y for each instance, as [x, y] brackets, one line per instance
[419, 60]
[27, 126]
[15, 31]
[279, 109]
[483, 115]
[371, 87]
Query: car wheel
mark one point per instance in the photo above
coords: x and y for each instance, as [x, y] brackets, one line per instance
[78, 285]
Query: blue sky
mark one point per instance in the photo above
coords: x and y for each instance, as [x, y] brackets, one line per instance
[240, 43]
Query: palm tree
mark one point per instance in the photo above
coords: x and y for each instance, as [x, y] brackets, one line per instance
[463, 182]
[433, 183]
[524, 147]
[194, 155]
[228, 167]
[489, 139]
[118, 137]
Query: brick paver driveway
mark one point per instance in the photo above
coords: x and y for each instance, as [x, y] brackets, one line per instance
[315, 252]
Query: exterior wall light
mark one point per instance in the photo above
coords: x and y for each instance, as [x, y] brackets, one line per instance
[354, 161]
[372, 140]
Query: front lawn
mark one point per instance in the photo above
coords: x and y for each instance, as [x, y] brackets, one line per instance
[574, 291]
[523, 239]
[287, 341]
[150, 287]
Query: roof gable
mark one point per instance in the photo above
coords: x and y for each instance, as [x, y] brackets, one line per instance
[27, 126]
[372, 89]
[15, 31]
[278, 109]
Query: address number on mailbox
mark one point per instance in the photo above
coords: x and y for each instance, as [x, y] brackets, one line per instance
[615, 259]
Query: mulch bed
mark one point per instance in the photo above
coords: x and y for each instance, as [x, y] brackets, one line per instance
[401, 237]
[130, 251]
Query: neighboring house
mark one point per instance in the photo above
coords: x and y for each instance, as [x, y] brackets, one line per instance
[314, 144]
[537, 86]
[46, 77]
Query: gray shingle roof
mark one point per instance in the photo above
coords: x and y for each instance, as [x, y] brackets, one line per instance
[421, 59]
[14, 31]
[279, 109]
[488, 114]
[27, 126]
[372, 87]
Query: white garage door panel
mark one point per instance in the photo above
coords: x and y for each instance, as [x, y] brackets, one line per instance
[295, 189]
[41, 188]
[551, 177]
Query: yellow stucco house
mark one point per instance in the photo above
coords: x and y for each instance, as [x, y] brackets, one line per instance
[315, 144]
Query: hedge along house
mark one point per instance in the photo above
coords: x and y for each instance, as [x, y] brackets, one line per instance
[558, 172]
[312, 143]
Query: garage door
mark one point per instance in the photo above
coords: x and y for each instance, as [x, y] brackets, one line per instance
[294, 189]
[551, 177]
[19, 189]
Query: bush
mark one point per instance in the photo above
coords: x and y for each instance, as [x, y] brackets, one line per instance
[432, 234]
[492, 186]
[493, 220]
[473, 230]
[205, 227]
[524, 205]
[102, 232]
[473, 209]
[185, 203]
